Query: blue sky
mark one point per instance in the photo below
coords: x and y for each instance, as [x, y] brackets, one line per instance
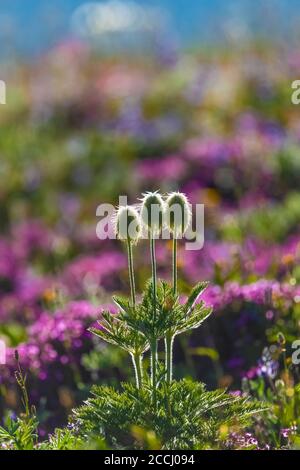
[33, 25]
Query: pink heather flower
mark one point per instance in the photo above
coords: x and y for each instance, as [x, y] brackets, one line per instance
[212, 150]
[252, 373]
[93, 270]
[64, 324]
[30, 288]
[242, 441]
[29, 237]
[8, 261]
[212, 296]
[287, 432]
[66, 327]
[235, 393]
[171, 167]
[259, 292]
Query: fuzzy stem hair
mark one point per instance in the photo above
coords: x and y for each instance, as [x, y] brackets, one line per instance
[131, 272]
[154, 341]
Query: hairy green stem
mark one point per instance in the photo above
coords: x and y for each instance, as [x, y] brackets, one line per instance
[138, 368]
[131, 272]
[154, 276]
[154, 341]
[153, 348]
[137, 358]
[174, 265]
[169, 339]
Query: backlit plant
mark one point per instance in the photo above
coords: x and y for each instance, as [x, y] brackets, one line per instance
[180, 414]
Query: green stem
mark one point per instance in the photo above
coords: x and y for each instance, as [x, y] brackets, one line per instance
[154, 277]
[131, 272]
[153, 348]
[169, 339]
[174, 265]
[138, 369]
[137, 357]
[154, 341]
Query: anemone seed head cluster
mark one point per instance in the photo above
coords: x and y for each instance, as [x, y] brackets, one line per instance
[155, 213]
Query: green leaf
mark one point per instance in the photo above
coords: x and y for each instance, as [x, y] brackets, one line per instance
[208, 352]
[196, 291]
[122, 303]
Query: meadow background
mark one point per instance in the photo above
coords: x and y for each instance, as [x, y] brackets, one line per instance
[127, 97]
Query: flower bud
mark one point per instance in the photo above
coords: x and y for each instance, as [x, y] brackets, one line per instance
[245, 385]
[152, 212]
[281, 339]
[279, 385]
[127, 224]
[178, 213]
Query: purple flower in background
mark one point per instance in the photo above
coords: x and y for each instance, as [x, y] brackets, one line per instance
[51, 331]
[89, 272]
[31, 236]
[212, 150]
[242, 441]
[287, 432]
[171, 167]
[267, 366]
[8, 261]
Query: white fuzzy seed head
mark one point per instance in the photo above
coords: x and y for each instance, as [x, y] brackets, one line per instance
[127, 224]
[152, 212]
[178, 213]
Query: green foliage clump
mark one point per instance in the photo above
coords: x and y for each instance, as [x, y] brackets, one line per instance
[187, 416]
[20, 433]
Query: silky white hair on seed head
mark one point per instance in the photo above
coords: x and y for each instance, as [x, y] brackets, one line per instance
[152, 212]
[178, 213]
[127, 224]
